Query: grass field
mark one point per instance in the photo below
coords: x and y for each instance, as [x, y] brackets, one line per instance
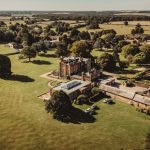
[118, 27]
[143, 23]
[24, 124]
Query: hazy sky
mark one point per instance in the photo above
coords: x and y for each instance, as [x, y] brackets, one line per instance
[75, 5]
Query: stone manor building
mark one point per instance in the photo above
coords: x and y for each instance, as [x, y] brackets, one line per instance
[78, 68]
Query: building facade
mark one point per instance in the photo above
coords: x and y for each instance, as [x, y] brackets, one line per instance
[74, 65]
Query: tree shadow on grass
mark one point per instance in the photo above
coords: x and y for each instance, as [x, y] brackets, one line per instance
[41, 62]
[77, 116]
[104, 50]
[98, 98]
[127, 72]
[21, 78]
[89, 103]
[48, 55]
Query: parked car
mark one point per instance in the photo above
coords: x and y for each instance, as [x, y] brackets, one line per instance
[108, 101]
[91, 110]
[94, 107]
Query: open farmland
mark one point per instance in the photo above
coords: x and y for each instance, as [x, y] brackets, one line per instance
[132, 14]
[132, 23]
[120, 28]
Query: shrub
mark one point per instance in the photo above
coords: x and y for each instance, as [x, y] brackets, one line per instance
[95, 90]
[123, 64]
[130, 49]
[139, 58]
[129, 83]
[108, 36]
[126, 23]
[81, 99]
[5, 66]
[131, 103]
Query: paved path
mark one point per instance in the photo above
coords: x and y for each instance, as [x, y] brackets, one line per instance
[45, 96]
[47, 76]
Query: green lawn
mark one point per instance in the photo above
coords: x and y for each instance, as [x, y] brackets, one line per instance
[4, 49]
[98, 53]
[24, 124]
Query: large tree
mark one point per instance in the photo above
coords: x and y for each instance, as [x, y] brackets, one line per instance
[92, 24]
[74, 33]
[9, 36]
[143, 56]
[62, 50]
[27, 52]
[106, 61]
[126, 23]
[84, 35]
[130, 49]
[81, 48]
[5, 66]
[29, 38]
[66, 40]
[138, 29]
[99, 43]
[2, 36]
[146, 49]
[39, 47]
[59, 105]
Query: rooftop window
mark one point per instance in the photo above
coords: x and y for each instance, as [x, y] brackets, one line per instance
[70, 85]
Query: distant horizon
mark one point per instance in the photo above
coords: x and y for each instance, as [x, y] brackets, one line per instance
[78, 10]
[71, 5]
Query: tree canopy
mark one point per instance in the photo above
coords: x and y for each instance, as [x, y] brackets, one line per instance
[143, 56]
[106, 62]
[138, 30]
[27, 52]
[130, 49]
[81, 48]
[59, 105]
[5, 66]
[62, 50]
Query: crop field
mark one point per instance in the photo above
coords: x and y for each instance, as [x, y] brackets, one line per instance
[24, 123]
